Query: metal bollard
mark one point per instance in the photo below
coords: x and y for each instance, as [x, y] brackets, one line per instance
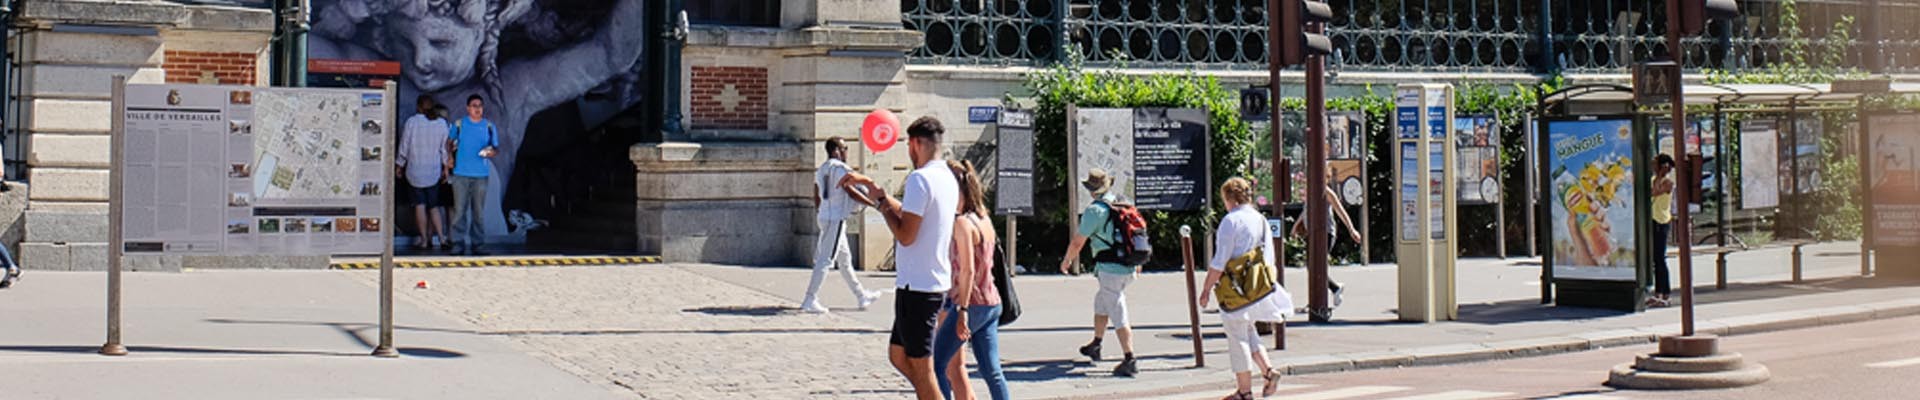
[1193, 307]
[1796, 262]
[1720, 268]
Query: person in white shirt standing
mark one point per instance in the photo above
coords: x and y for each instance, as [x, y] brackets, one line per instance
[423, 162]
[834, 205]
[922, 224]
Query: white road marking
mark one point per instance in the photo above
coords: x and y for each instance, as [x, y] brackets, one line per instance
[1589, 397]
[1456, 395]
[1342, 393]
[1228, 389]
[1896, 363]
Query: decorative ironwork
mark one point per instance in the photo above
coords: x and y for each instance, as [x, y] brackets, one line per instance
[1518, 36]
[1435, 35]
[985, 31]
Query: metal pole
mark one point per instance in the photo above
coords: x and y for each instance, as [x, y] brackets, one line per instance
[1013, 242]
[1281, 196]
[1866, 190]
[385, 349]
[1316, 193]
[1193, 307]
[1539, 212]
[115, 244]
[1720, 233]
[1281, 179]
[1793, 169]
[1678, 104]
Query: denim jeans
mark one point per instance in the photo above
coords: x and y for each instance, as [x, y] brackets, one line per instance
[984, 321]
[469, 198]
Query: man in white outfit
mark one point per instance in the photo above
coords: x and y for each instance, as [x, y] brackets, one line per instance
[834, 206]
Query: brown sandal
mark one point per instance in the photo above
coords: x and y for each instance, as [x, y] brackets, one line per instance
[1273, 383]
[1239, 396]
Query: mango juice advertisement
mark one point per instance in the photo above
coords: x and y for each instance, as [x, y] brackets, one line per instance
[1591, 193]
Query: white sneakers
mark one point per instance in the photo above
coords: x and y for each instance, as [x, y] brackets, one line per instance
[872, 296]
[814, 307]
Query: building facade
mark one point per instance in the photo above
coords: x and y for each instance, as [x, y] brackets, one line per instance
[729, 111]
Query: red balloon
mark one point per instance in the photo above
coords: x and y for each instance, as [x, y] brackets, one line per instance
[880, 130]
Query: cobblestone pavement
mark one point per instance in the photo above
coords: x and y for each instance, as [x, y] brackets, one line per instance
[662, 332]
[706, 331]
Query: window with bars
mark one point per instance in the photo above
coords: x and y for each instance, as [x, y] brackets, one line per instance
[758, 13]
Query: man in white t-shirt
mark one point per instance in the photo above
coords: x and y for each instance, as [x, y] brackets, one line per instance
[834, 205]
[922, 224]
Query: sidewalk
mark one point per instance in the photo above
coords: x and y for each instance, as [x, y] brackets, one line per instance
[1501, 316]
[252, 335]
[701, 331]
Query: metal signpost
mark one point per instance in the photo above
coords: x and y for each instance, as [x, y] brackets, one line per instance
[304, 185]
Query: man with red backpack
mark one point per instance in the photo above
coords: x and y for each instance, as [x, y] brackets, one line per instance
[1113, 230]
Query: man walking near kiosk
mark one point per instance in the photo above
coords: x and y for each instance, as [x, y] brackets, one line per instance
[1097, 228]
[834, 205]
[922, 225]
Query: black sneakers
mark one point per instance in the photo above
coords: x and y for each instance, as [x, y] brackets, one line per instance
[1091, 350]
[1126, 369]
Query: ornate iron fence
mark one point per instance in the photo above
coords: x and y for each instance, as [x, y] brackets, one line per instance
[1525, 36]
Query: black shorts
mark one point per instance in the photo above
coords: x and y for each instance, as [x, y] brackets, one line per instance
[427, 196]
[914, 316]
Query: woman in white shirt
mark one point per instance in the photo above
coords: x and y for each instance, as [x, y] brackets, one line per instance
[1242, 231]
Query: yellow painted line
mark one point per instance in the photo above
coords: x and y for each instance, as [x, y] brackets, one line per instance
[505, 262]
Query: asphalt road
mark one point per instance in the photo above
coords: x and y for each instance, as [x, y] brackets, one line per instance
[1869, 360]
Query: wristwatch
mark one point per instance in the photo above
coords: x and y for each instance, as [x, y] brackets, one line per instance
[960, 308]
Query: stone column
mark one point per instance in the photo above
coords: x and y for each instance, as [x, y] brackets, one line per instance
[69, 52]
[760, 102]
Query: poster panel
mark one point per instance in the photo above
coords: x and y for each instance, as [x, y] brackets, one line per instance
[231, 170]
[1346, 152]
[552, 76]
[1102, 138]
[1894, 178]
[1802, 163]
[1013, 186]
[1170, 158]
[1409, 210]
[1590, 175]
[1477, 154]
[1759, 164]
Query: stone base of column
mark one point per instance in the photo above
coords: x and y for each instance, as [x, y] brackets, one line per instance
[1688, 362]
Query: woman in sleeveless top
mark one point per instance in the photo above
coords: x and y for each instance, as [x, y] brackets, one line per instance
[1242, 231]
[973, 305]
[1662, 228]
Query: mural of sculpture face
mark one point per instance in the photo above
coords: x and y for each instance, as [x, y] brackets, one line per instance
[435, 51]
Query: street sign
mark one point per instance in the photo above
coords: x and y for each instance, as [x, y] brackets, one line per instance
[982, 114]
[1654, 82]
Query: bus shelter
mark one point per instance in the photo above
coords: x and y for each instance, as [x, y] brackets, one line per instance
[1598, 144]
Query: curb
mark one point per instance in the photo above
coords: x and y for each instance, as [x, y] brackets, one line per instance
[503, 262]
[1476, 352]
[1552, 345]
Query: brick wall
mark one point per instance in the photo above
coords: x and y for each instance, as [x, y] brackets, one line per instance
[729, 98]
[229, 68]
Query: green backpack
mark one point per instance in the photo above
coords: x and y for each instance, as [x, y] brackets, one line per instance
[1247, 279]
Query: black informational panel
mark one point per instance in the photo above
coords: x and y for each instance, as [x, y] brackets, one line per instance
[1014, 194]
[1170, 158]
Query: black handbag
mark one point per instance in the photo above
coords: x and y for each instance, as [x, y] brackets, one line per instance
[1009, 300]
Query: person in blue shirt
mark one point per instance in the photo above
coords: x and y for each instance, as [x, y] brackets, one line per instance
[472, 144]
